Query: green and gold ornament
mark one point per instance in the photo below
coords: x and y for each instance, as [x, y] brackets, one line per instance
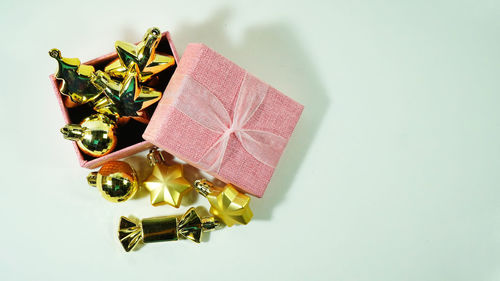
[118, 91]
[75, 79]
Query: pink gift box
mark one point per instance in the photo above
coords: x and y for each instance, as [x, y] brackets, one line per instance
[130, 139]
[218, 117]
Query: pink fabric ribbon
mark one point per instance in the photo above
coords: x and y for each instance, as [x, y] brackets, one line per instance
[203, 107]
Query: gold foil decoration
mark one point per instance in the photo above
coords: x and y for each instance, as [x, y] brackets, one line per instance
[116, 180]
[95, 135]
[104, 105]
[126, 98]
[166, 184]
[229, 205]
[75, 78]
[160, 63]
[161, 229]
[143, 54]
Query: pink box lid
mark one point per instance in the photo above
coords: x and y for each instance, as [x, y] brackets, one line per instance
[206, 80]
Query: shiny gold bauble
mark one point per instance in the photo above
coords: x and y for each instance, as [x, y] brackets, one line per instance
[116, 180]
[95, 136]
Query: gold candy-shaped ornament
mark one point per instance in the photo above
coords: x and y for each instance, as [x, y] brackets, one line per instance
[143, 54]
[116, 180]
[75, 79]
[166, 184]
[229, 205]
[162, 229]
[95, 135]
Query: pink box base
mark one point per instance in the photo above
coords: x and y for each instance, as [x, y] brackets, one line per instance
[76, 115]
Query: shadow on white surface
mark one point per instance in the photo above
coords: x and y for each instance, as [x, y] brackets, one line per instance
[273, 52]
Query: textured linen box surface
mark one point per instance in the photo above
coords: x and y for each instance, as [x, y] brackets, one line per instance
[130, 139]
[219, 118]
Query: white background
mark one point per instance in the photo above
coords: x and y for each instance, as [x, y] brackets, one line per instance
[391, 174]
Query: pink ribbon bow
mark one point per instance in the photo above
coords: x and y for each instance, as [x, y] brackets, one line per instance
[203, 107]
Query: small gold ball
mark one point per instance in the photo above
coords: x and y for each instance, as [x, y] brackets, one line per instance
[116, 180]
[99, 136]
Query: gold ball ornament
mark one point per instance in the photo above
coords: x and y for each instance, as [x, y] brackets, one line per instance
[116, 180]
[95, 135]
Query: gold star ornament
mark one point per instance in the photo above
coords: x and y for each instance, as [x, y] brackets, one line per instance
[166, 184]
[126, 98]
[229, 205]
[160, 63]
[142, 54]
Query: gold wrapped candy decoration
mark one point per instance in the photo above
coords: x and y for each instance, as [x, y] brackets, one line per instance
[229, 205]
[116, 180]
[161, 229]
[118, 92]
[166, 184]
[95, 135]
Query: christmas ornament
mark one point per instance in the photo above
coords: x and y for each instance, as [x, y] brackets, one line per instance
[159, 229]
[75, 78]
[126, 98]
[116, 180]
[105, 106]
[160, 63]
[95, 136]
[231, 206]
[142, 54]
[166, 184]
